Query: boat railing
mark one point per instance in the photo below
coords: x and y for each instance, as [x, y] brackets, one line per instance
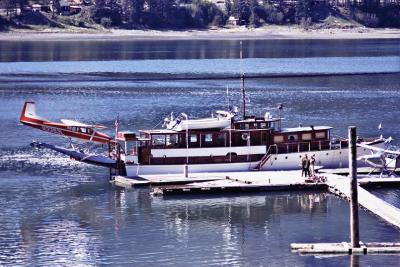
[293, 147]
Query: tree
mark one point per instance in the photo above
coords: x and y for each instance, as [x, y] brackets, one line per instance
[304, 12]
[242, 10]
[108, 9]
[137, 11]
[56, 7]
[11, 8]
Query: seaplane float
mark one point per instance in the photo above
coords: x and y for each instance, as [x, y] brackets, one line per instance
[224, 142]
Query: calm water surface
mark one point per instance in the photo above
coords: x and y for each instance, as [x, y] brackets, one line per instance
[58, 212]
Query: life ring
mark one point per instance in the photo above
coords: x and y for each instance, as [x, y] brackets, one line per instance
[245, 136]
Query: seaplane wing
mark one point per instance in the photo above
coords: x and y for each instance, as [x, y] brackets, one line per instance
[381, 150]
[74, 123]
[80, 124]
[67, 128]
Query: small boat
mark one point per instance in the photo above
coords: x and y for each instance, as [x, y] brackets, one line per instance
[181, 123]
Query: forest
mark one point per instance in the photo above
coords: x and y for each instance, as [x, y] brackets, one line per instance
[187, 14]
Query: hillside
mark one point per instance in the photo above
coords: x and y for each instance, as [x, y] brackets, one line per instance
[78, 16]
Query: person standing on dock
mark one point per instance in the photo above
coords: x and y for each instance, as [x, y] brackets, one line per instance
[304, 165]
[312, 164]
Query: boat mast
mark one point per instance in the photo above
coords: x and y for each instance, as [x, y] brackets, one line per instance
[243, 97]
[243, 91]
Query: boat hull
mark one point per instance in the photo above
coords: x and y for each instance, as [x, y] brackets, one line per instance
[336, 158]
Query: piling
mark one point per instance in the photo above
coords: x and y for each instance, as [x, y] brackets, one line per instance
[354, 218]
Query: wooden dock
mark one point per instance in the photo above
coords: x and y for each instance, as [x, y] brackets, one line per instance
[345, 248]
[248, 180]
[340, 186]
[243, 182]
[168, 179]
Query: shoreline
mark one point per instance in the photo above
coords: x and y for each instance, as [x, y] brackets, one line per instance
[239, 33]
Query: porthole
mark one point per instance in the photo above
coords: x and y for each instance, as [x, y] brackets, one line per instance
[276, 158]
[286, 157]
[327, 154]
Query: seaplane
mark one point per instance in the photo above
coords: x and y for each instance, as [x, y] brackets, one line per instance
[385, 160]
[74, 131]
[71, 129]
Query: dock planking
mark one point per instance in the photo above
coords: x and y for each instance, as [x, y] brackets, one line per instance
[245, 182]
[168, 179]
[340, 185]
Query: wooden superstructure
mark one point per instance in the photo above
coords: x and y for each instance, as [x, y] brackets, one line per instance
[246, 140]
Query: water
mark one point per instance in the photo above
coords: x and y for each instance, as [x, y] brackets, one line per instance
[56, 211]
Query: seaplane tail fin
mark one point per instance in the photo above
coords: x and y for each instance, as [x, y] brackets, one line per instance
[29, 112]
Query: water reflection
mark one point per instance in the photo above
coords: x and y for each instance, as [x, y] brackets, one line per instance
[92, 223]
[190, 49]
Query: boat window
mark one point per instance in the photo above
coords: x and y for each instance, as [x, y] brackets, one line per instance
[172, 140]
[278, 139]
[246, 126]
[208, 138]
[293, 137]
[306, 136]
[83, 130]
[221, 139]
[263, 125]
[320, 135]
[193, 138]
[158, 139]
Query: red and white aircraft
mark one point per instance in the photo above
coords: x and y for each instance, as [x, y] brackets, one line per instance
[67, 128]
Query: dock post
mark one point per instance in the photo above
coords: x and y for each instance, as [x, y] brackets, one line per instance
[354, 222]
